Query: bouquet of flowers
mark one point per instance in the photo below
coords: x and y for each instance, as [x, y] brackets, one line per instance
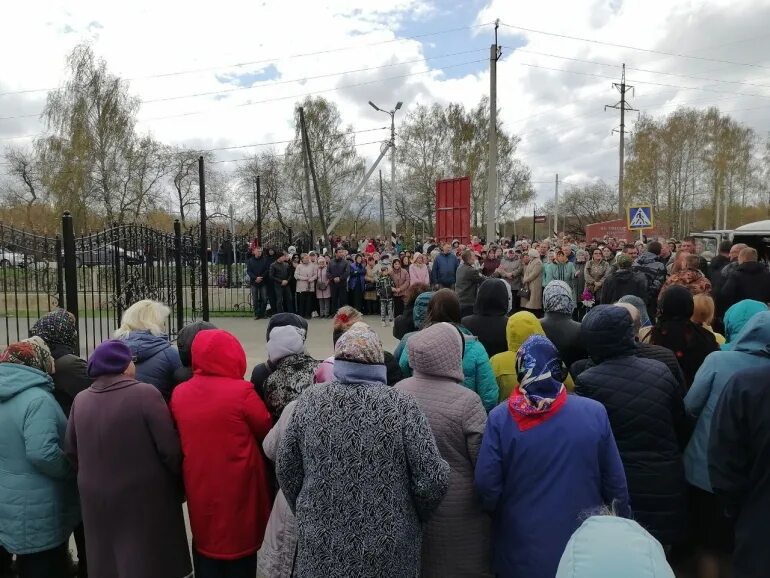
[587, 298]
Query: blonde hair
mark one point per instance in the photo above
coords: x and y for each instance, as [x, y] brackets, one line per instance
[144, 315]
[703, 312]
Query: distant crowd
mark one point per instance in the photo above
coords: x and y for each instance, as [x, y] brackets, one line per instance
[552, 408]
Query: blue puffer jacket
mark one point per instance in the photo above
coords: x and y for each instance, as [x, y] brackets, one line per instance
[479, 376]
[444, 269]
[751, 348]
[156, 360]
[38, 491]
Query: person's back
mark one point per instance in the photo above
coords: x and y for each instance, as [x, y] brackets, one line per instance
[624, 282]
[559, 327]
[646, 411]
[221, 423]
[468, 280]
[490, 316]
[156, 359]
[751, 280]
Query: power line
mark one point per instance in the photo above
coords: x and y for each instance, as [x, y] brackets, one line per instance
[276, 59]
[628, 47]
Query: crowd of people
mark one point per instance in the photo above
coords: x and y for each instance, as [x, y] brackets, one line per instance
[553, 408]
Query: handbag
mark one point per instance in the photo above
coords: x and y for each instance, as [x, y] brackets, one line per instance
[369, 287]
[321, 285]
[524, 292]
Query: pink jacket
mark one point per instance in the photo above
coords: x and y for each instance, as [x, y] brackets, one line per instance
[419, 274]
[323, 276]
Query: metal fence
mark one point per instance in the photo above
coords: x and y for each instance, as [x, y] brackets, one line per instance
[99, 275]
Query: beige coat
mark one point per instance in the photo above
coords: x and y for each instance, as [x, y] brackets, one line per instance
[533, 278]
[306, 276]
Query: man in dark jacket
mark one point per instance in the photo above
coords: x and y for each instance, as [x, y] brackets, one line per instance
[751, 280]
[624, 281]
[739, 468]
[468, 280]
[443, 275]
[258, 270]
[559, 327]
[646, 412]
[279, 275]
[338, 272]
[655, 273]
[718, 263]
[490, 316]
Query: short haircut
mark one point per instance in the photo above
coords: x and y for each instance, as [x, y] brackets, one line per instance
[748, 254]
[692, 262]
[466, 256]
[279, 254]
[689, 240]
[444, 306]
[725, 246]
[654, 247]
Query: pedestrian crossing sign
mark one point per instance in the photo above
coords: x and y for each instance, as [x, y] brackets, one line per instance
[639, 218]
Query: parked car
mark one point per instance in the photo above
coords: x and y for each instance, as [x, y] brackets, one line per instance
[10, 258]
[105, 255]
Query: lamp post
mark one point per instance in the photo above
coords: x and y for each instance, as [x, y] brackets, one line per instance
[392, 114]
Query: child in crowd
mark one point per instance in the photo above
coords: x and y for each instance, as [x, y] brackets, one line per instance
[385, 293]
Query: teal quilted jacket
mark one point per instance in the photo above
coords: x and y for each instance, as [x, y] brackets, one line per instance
[38, 492]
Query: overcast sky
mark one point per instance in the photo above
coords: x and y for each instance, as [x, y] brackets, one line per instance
[260, 57]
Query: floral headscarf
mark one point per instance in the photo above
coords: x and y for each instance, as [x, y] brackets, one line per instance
[540, 392]
[31, 352]
[56, 327]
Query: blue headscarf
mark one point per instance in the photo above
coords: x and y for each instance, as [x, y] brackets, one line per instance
[539, 369]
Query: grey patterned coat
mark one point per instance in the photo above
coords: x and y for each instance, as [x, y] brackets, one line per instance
[361, 470]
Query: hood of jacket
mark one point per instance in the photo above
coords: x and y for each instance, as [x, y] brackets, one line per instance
[754, 338]
[284, 341]
[611, 546]
[437, 351]
[647, 259]
[608, 332]
[218, 353]
[281, 319]
[15, 378]
[185, 337]
[420, 309]
[737, 316]
[492, 298]
[520, 327]
[145, 345]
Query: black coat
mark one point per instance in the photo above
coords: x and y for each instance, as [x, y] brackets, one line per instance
[184, 341]
[280, 271]
[739, 466]
[404, 323]
[646, 411]
[258, 267]
[750, 280]
[564, 333]
[624, 282]
[490, 316]
[70, 377]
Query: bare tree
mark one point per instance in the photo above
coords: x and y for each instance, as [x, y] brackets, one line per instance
[26, 186]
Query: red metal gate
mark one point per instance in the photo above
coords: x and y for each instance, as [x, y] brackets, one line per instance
[453, 210]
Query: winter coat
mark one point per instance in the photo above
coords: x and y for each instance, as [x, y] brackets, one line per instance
[456, 539]
[401, 283]
[419, 274]
[751, 280]
[184, 341]
[404, 323]
[540, 483]
[608, 546]
[444, 271]
[419, 315]
[258, 267]
[490, 316]
[323, 278]
[306, 275]
[751, 349]
[646, 410]
[655, 272]
[467, 284]
[70, 376]
[356, 281]
[738, 316]
[514, 268]
[38, 493]
[624, 282]
[738, 465]
[520, 326]
[564, 333]
[489, 266]
[595, 274]
[324, 373]
[280, 271]
[129, 461]
[560, 272]
[359, 460]
[290, 377]
[222, 423]
[533, 279]
[695, 282]
[156, 360]
[276, 556]
[338, 268]
[476, 368]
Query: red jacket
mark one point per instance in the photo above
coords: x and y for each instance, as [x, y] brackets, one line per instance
[222, 423]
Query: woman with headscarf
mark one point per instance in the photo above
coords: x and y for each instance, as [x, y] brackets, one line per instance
[737, 316]
[456, 539]
[559, 327]
[38, 495]
[675, 331]
[525, 450]
[359, 460]
[121, 430]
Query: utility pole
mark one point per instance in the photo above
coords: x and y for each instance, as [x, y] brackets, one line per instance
[259, 211]
[308, 197]
[556, 209]
[382, 210]
[623, 106]
[394, 224]
[204, 246]
[494, 55]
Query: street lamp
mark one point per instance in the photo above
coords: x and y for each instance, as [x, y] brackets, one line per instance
[392, 114]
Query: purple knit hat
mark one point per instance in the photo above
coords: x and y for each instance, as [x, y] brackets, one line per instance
[111, 357]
